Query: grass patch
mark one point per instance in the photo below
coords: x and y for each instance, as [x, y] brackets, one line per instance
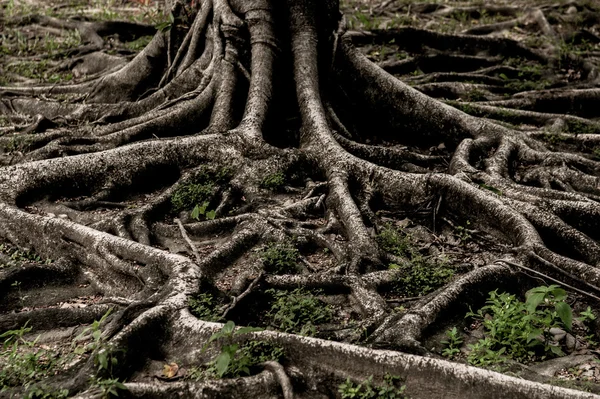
[280, 258]
[274, 181]
[139, 44]
[38, 70]
[423, 275]
[391, 388]
[205, 307]
[298, 311]
[199, 190]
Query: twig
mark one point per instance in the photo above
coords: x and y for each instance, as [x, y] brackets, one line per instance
[559, 270]
[237, 299]
[188, 240]
[545, 276]
[281, 377]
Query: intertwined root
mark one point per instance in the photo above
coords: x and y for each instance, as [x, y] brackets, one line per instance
[100, 199]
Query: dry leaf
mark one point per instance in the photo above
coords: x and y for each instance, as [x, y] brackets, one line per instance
[170, 370]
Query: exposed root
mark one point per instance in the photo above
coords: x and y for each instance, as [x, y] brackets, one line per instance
[199, 120]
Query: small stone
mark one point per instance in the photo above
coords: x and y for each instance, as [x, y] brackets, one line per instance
[558, 333]
[63, 216]
[571, 10]
[51, 215]
[570, 342]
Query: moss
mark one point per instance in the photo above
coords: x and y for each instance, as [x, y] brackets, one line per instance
[274, 181]
[298, 311]
[280, 258]
[200, 189]
[422, 277]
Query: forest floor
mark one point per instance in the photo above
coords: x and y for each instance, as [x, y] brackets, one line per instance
[442, 247]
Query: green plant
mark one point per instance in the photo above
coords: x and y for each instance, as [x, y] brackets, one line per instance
[23, 362]
[109, 387]
[297, 311]
[199, 190]
[476, 95]
[390, 389]
[139, 43]
[200, 210]
[105, 356]
[587, 315]
[234, 361]
[521, 330]
[187, 196]
[425, 275]
[452, 343]
[274, 181]
[578, 127]
[204, 307]
[396, 242]
[280, 258]
[463, 232]
[165, 26]
[44, 392]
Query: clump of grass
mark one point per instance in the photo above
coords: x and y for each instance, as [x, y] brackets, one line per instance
[274, 181]
[280, 258]
[199, 190]
[205, 307]
[298, 311]
[423, 274]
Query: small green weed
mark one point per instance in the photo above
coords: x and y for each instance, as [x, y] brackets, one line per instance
[235, 360]
[476, 95]
[204, 307]
[577, 127]
[298, 311]
[139, 44]
[452, 343]
[109, 387]
[425, 275]
[38, 70]
[396, 242]
[274, 181]
[390, 389]
[199, 190]
[23, 362]
[521, 330]
[105, 358]
[18, 256]
[280, 258]
[464, 232]
[201, 210]
[553, 138]
[44, 392]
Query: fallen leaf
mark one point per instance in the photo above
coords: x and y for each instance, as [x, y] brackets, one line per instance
[170, 370]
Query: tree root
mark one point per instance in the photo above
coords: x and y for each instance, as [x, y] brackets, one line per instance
[104, 204]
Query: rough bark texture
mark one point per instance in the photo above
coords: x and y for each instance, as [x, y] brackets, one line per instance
[279, 88]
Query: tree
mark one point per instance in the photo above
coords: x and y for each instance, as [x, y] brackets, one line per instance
[161, 184]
